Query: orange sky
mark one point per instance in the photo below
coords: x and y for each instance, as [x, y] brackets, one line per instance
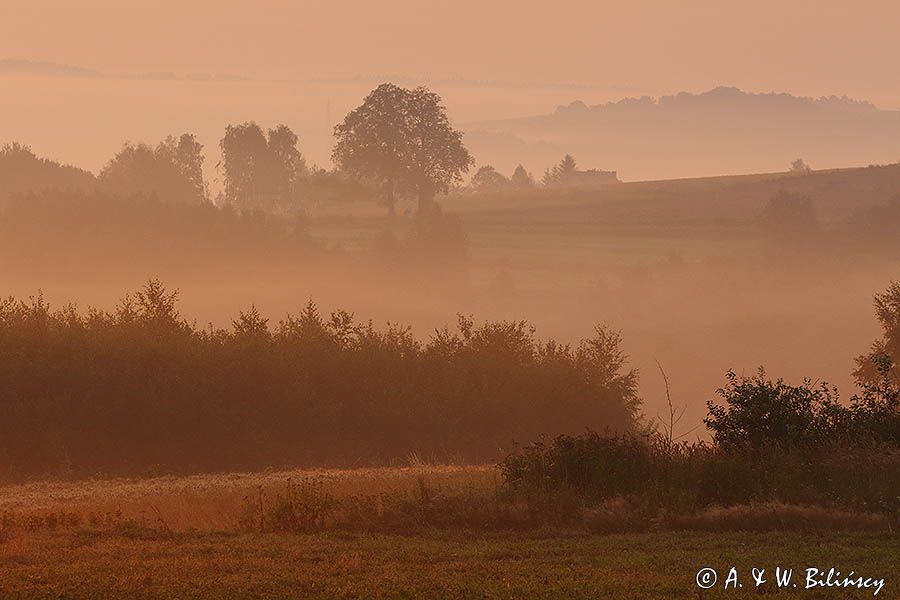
[803, 47]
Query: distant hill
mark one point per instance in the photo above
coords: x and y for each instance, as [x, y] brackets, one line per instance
[837, 194]
[722, 131]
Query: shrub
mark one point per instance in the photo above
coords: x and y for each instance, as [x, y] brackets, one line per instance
[657, 478]
[758, 411]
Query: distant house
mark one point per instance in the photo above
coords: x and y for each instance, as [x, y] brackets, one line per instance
[591, 178]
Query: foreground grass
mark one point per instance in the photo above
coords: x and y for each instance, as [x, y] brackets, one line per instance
[180, 537]
[214, 502]
[540, 564]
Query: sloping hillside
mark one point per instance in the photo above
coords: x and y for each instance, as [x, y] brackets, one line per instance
[836, 194]
[724, 130]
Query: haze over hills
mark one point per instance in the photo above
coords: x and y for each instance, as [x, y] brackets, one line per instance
[719, 132]
[722, 131]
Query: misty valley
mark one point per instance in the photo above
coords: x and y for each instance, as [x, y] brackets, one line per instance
[425, 337]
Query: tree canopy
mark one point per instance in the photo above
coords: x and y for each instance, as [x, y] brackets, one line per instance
[22, 171]
[521, 178]
[561, 173]
[173, 171]
[887, 349]
[488, 179]
[261, 169]
[403, 139]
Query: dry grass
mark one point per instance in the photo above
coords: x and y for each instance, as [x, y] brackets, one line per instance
[410, 500]
[181, 537]
[215, 502]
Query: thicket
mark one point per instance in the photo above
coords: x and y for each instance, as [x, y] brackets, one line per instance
[771, 442]
[140, 389]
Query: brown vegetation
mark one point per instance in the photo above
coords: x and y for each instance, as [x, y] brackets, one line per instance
[140, 388]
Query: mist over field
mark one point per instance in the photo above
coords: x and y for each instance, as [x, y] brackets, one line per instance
[677, 134]
[431, 298]
[685, 269]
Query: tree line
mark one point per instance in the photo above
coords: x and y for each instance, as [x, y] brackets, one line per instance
[140, 389]
[398, 144]
[399, 141]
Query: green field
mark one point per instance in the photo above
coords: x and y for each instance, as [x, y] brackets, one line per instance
[458, 564]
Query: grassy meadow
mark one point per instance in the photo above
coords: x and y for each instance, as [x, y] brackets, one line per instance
[183, 537]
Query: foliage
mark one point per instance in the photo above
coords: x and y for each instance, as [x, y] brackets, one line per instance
[521, 179]
[487, 179]
[118, 392]
[876, 412]
[186, 153]
[22, 172]
[562, 173]
[758, 411]
[261, 170]
[173, 171]
[404, 139]
[771, 442]
[799, 167]
[870, 367]
[680, 479]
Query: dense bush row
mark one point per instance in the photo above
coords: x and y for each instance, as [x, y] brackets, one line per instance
[771, 442]
[682, 479]
[140, 389]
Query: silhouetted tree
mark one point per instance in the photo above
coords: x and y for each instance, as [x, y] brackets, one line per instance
[437, 155]
[567, 168]
[244, 150]
[187, 155]
[171, 171]
[287, 164]
[371, 140]
[487, 179]
[403, 139]
[261, 170]
[549, 177]
[799, 167]
[886, 349]
[521, 179]
[21, 171]
[561, 173]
